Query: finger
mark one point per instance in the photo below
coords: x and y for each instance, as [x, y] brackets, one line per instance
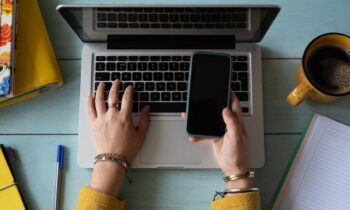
[237, 110]
[113, 94]
[100, 99]
[231, 121]
[142, 127]
[195, 139]
[217, 144]
[91, 109]
[183, 115]
[127, 101]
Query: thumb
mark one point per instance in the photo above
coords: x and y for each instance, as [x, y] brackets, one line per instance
[232, 123]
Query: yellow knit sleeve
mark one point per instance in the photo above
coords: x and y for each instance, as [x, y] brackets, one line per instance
[239, 201]
[90, 199]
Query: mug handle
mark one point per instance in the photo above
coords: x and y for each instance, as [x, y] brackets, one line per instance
[299, 93]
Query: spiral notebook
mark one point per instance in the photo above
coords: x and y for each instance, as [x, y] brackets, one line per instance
[319, 175]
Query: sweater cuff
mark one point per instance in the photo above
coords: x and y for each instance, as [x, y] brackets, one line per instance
[246, 201]
[92, 199]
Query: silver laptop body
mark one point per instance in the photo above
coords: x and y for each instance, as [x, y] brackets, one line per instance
[149, 46]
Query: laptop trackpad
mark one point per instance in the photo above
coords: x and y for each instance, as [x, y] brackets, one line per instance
[167, 143]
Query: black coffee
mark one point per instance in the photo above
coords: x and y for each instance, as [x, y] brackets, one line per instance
[328, 69]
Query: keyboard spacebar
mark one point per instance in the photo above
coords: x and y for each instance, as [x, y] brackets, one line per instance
[165, 107]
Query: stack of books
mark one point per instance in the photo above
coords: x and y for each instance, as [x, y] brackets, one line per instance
[28, 64]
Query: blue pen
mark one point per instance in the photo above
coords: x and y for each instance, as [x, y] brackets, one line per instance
[60, 164]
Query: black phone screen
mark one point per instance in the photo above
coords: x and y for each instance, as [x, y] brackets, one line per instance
[209, 94]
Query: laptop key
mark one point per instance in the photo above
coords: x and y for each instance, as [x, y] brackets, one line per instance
[155, 25]
[160, 86]
[121, 66]
[165, 96]
[165, 58]
[171, 86]
[179, 76]
[245, 109]
[101, 58]
[152, 66]
[144, 25]
[165, 107]
[184, 96]
[111, 67]
[144, 96]
[242, 58]
[163, 66]
[134, 25]
[240, 66]
[176, 58]
[144, 58]
[186, 58]
[133, 58]
[122, 58]
[137, 76]
[235, 86]
[126, 76]
[100, 66]
[147, 76]
[123, 25]
[122, 17]
[168, 76]
[174, 66]
[139, 86]
[102, 76]
[155, 96]
[176, 96]
[115, 76]
[158, 76]
[101, 16]
[155, 58]
[112, 17]
[242, 96]
[182, 86]
[142, 66]
[185, 66]
[132, 66]
[112, 58]
[150, 86]
[108, 86]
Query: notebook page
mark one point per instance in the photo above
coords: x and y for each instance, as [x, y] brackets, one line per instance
[319, 177]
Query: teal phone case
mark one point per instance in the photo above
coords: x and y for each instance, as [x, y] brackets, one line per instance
[189, 90]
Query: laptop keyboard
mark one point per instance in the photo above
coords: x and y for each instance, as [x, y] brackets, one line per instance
[161, 81]
[171, 18]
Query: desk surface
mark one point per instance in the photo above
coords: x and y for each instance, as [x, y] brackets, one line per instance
[36, 126]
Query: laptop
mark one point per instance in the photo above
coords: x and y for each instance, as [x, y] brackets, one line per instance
[150, 47]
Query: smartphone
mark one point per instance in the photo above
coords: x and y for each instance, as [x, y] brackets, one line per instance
[209, 94]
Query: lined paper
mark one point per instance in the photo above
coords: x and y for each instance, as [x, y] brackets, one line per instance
[320, 175]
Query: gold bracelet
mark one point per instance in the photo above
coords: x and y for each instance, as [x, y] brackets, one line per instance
[249, 174]
[241, 190]
[113, 157]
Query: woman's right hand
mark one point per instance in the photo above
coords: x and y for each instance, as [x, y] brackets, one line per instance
[231, 151]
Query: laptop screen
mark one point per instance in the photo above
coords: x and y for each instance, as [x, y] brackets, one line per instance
[95, 24]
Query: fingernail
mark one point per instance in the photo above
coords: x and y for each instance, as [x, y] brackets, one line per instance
[228, 111]
[102, 84]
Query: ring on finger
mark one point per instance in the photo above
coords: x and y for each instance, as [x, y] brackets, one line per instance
[113, 105]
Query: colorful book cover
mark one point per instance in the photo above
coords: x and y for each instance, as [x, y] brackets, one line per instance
[7, 44]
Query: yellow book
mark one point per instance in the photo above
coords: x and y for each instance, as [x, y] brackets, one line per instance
[10, 198]
[36, 67]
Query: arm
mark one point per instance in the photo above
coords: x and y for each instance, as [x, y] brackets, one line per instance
[231, 152]
[114, 132]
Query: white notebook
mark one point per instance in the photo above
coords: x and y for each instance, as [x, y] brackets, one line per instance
[319, 177]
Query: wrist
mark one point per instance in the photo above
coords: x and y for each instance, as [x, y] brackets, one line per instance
[107, 177]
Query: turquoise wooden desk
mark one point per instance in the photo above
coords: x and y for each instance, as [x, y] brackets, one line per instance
[35, 127]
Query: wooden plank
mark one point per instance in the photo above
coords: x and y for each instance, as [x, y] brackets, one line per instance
[293, 29]
[57, 112]
[151, 189]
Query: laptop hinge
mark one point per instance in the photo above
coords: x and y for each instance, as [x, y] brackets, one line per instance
[171, 42]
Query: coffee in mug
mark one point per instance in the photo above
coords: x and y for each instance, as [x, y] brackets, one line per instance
[324, 74]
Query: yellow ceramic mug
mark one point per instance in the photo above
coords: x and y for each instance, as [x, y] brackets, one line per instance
[313, 74]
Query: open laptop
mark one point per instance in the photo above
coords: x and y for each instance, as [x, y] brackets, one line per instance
[150, 47]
